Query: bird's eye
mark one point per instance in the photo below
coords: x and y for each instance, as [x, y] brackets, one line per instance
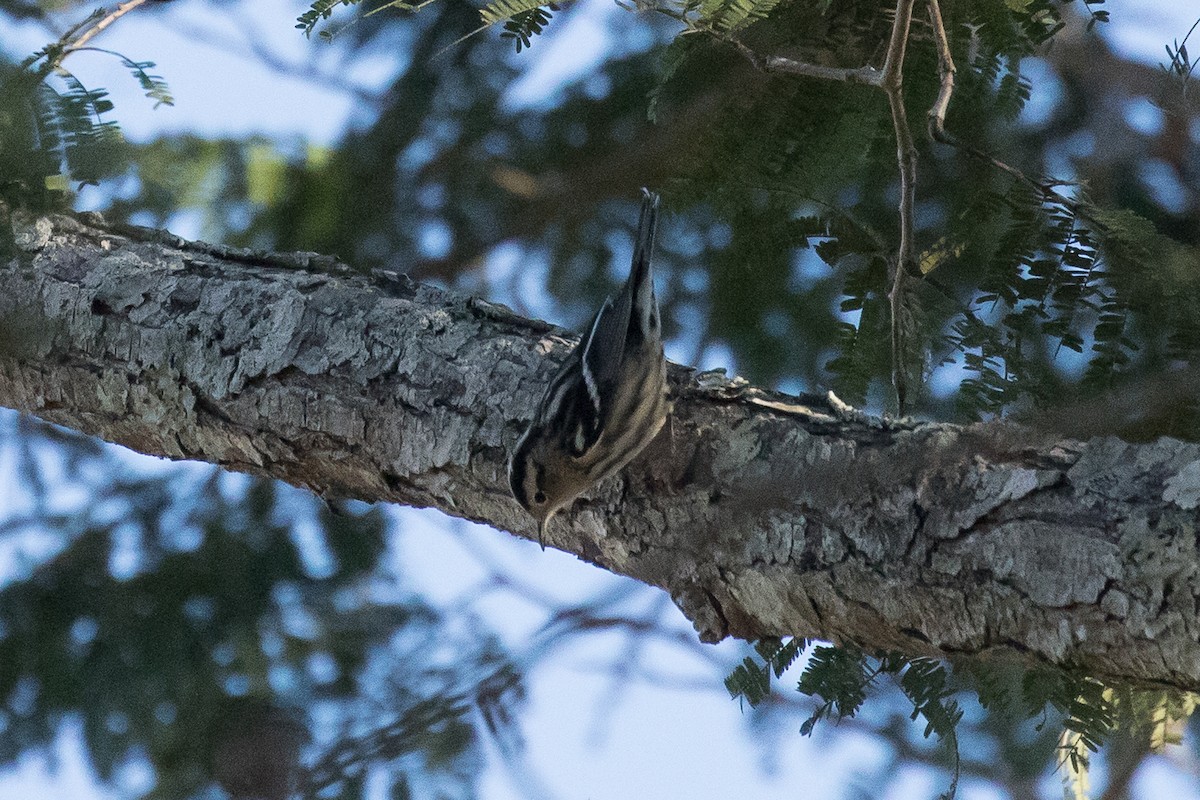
[539, 497]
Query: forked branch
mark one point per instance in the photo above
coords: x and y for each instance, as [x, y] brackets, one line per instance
[891, 80]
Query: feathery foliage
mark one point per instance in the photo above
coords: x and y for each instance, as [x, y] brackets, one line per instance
[1085, 711]
[154, 86]
[730, 16]
[522, 26]
[199, 618]
[318, 12]
[72, 126]
[751, 681]
[503, 10]
[54, 134]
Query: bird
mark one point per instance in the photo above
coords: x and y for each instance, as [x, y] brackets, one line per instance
[607, 401]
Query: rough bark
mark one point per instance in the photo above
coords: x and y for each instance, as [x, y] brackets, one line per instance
[761, 514]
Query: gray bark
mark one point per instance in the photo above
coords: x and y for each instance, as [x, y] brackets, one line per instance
[762, 514]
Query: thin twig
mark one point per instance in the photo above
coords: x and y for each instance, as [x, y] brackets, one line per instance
[906, 160]
[56, 50]
[937, 112]
[891, 80]
[121, 10]
[865, 76]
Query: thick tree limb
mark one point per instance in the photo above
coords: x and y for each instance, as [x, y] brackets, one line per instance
[762, 514]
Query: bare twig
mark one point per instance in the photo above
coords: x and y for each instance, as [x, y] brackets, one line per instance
[121, 10]
[865, 76]
[891, 80]
[893, 66]
[937, 112]
[54, 53]
[69, 43]
[906, 159]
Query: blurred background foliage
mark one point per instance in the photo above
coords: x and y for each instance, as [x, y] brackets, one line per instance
[781, 192]
[197, 624]
[175, 613]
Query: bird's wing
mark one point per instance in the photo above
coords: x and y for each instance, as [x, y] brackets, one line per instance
[604, 350]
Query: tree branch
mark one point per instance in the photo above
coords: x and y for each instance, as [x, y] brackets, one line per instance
[946, 69]
[866, 75]
[121, 10]
[893, 65]
[906, 159]
[763, 514]
[891, 80]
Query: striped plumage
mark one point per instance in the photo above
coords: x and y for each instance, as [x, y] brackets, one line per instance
[606, 403]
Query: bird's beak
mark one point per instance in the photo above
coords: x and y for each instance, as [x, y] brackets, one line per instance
[543, 523]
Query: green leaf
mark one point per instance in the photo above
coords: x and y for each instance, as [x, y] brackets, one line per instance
[749, 681]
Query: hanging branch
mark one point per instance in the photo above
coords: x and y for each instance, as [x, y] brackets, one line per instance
[937, 112]
[906, 160]
[891, 80]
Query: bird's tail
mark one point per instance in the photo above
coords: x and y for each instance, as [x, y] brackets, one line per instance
[643, 313]
[643, 250]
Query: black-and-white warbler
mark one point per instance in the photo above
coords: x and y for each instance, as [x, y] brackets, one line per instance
[607, 402]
